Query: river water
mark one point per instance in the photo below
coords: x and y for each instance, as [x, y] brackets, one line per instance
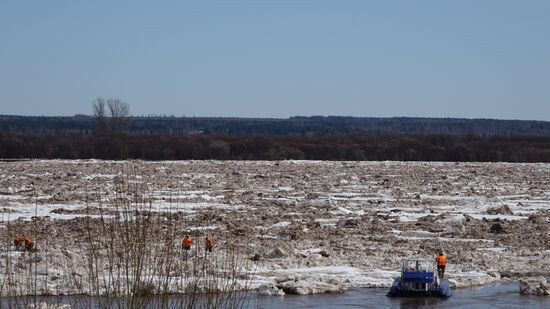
[496, 296]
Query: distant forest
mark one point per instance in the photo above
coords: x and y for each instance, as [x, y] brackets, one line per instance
[307, 138]
[308, 126]
[256, 147]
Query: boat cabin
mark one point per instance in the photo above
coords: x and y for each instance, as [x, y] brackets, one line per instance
[418, 274]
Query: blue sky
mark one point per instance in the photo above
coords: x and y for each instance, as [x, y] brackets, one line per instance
[472, 59]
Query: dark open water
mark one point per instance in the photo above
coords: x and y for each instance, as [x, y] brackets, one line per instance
[496, 296]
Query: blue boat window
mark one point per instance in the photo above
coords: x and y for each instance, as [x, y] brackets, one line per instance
[420, 265]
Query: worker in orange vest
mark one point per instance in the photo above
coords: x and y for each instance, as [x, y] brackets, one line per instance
[208, 243]
[186, 243]
[441, 261]
[23, 243]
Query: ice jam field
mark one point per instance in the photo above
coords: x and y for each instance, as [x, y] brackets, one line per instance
[304, 226]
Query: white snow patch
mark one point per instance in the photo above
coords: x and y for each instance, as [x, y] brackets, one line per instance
[344, 210]
[203, 228]
[345, 274]
[285, 189]
[327, 222]
[281, 224]
[500, 217]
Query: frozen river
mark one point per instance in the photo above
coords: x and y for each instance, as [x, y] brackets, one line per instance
[312, 226]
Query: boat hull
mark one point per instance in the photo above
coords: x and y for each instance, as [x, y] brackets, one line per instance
[398, 289]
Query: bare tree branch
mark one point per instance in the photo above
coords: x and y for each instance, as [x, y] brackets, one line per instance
[119, 112]
[98, 106]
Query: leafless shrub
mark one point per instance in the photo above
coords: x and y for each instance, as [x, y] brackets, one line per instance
[134, 260]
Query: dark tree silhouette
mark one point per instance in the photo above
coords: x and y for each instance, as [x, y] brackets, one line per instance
[119, 112]
[100, 116]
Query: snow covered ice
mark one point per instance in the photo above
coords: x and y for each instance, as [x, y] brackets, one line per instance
[307, 226]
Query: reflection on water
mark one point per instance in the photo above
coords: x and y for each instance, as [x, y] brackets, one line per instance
[419, 302]
[497, 296]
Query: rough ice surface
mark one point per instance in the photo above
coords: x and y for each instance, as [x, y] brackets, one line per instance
[307, 226]
[535, 286]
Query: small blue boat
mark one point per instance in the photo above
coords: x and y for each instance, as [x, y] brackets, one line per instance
[419, 278]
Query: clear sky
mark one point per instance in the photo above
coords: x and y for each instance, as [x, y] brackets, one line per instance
[279, 58]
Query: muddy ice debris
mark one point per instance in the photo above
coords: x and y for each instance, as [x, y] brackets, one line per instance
[497, 228]
[455, 227]
[502, 210]
[535, 286]
[277, 253]
[270, 290]
[350, 223]
[360, 209]
[304, 287]
[541, 217]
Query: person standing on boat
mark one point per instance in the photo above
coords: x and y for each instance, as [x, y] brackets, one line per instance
[441, 261]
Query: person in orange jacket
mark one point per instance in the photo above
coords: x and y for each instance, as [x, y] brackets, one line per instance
[186, 243]
[18, 242]
[441, 261]
[208, 243]
[23, 243]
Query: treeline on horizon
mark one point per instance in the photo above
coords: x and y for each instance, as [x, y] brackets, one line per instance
[315, 125]
[353, 147]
